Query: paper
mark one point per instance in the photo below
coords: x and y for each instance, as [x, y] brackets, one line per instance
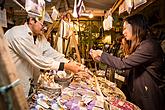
[137, 3]
[107, 23]
[47, 18]
[3, 18]
[122, 8]
[55, 13]
[34, 8]
[129, 5]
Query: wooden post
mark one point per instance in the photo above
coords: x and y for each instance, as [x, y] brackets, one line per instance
[76, 47]
[7, 76]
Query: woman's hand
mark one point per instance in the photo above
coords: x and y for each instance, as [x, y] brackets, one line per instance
[96, 54]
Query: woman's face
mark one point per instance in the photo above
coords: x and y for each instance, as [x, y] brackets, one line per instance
[127, 31]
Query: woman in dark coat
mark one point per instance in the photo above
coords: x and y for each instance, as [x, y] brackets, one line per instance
[144, 62]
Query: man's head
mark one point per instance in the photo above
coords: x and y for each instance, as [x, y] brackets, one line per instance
[35, 24]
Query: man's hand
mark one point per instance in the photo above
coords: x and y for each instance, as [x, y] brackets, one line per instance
[73, 66]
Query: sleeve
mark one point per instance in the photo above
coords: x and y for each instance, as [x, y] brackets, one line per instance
[27, 50]
[144, 53]
[50, 52]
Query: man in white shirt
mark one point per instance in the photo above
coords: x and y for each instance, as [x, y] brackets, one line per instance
[32, 54]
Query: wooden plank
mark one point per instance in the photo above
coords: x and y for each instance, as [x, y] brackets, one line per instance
[66, 5]
[51, 27]
[7, 76]
[58, 4]
[116, 5]
[76, 47]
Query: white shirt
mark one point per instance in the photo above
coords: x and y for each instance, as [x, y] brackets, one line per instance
[29, 57]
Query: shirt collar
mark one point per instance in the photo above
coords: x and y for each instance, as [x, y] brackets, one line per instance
[28, 29]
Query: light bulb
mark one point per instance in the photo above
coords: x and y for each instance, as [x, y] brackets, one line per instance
[90, 15]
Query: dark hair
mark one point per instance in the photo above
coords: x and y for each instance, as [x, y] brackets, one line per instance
[139, 25]
[139, 29]
[28, 19]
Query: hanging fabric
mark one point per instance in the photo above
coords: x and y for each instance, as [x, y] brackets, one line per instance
[55, 13]
[107, 23]
[78, 8]
[64, 29]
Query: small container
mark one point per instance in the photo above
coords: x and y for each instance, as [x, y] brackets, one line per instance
[65, 81]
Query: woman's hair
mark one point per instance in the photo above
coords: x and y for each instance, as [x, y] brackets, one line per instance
[125, 45]
[139, 29]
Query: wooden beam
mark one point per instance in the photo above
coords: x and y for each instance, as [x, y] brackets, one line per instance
[116, 5]
[66, 5]
[58, 4]
[7, 75]
[51, 27]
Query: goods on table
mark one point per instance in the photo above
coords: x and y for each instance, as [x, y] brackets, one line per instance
[85, 92]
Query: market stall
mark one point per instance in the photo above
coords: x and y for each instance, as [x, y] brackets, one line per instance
[81, 91]
[72, 32]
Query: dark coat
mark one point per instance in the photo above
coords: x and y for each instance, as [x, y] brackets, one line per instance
[145, 74]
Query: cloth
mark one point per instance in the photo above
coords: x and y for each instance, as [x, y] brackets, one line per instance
[145, 64]
[30, 57]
